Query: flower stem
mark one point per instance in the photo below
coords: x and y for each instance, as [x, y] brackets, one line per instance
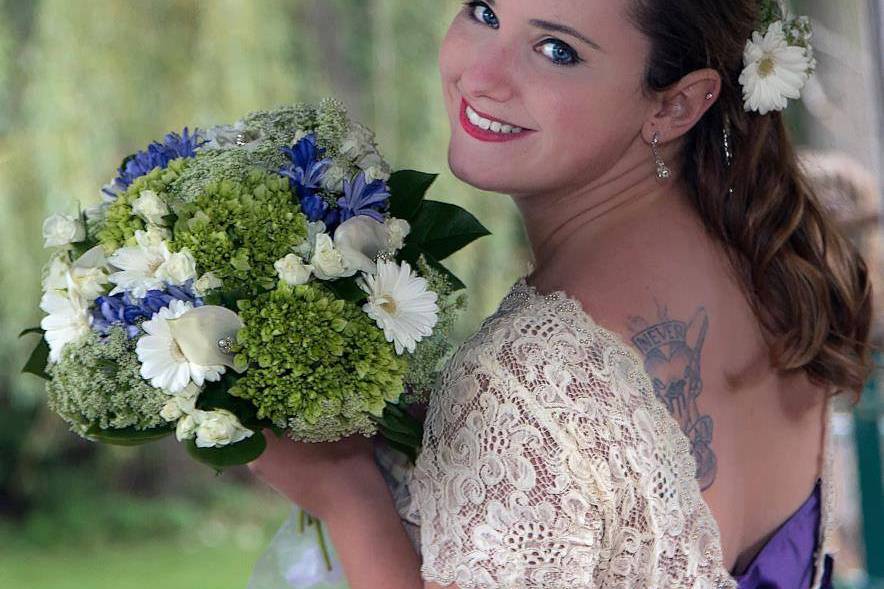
[322, 545]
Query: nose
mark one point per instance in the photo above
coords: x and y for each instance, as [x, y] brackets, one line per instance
[488, 74]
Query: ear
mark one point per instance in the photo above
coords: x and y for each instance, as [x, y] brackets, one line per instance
[680, 106]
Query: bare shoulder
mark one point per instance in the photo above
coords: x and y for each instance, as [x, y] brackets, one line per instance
[678, 303]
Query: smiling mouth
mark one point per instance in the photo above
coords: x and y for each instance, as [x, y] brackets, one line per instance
[487, 123]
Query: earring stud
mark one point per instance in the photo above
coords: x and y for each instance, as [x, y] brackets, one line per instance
[663, 172]
[709, 95]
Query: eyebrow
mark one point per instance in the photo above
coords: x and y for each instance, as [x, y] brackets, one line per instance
[559, 28]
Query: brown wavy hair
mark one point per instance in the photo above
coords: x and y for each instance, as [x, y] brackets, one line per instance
[807, 284]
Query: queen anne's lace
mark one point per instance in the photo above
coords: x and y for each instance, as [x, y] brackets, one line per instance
[548, 462]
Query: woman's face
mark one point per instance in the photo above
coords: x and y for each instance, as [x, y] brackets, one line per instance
[567, 72]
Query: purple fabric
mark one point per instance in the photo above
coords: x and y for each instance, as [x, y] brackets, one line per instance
[787, 559]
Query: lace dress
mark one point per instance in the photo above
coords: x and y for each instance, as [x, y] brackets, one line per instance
[548, 462]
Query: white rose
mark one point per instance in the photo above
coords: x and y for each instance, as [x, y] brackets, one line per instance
[333, 180]
[178, 268]
[60, 230]
[171, 411]
[292, 270]
[178, 406]
[55, 274]
[397, 231]
[205, 283]
[186, 427]
[357, 142]
[219, 428]
[153, 236]
[327, 262]
[305, 249]
[373, 173]
[88, 282]
[150, 207]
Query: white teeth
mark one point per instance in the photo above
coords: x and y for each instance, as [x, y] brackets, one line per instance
[489, 125]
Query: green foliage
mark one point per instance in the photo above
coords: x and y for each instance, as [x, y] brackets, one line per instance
[237, 454]
[239, 229]
[430, 353]
[129, 436]
[99, 383]
[120, 224]
[316, 363]
[39, 357]
[407, 191]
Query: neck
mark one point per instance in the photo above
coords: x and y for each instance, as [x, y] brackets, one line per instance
[604, 209]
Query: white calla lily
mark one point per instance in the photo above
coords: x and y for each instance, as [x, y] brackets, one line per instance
[199, 331]
[360, 239]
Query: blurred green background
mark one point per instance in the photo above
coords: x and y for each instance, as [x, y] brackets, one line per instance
[84, 83]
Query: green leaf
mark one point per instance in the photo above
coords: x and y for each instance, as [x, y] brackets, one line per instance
[242, 452]
[128, 436]
[37, 329]
[410, 452]
[401, 439]
[441, 229]
[411, 252]
[346, 289]
[407, 190]
[216, 396]
[38, 360]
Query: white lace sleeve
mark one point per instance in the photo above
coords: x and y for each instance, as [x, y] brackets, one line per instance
[547, 463]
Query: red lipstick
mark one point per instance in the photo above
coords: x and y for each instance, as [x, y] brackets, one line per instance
[482, 134]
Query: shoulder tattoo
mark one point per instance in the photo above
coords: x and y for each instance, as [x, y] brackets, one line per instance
[672, 350]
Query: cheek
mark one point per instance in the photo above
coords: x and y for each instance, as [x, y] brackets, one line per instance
[589, 121]
[452, 54]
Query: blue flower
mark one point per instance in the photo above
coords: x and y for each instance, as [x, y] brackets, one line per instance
[122, 310]
[305, 174]
[157, 155]
[363, 198]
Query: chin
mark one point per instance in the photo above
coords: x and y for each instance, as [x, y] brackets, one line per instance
[473, 172]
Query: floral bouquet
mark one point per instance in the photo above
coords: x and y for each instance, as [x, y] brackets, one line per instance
[272, 274]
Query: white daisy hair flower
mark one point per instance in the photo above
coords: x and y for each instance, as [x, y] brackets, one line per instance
[774, 70]
[400, 303]
[163, 362]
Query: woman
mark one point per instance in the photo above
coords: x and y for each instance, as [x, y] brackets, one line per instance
[648, 407]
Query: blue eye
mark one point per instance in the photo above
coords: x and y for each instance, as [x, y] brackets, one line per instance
[559, 53]
[481, 12]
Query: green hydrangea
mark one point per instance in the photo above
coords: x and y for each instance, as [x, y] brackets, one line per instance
[98, 381]
[120, 223]
[431, 352]
[318, 365]
[238, 229]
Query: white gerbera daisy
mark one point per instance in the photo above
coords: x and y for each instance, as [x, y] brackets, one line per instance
[163, 362]
[774, 71]
[398, 300]
[67, 321]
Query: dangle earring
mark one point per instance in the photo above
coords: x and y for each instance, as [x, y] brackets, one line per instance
[725, 132]
[663, 172]
[726, 141]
